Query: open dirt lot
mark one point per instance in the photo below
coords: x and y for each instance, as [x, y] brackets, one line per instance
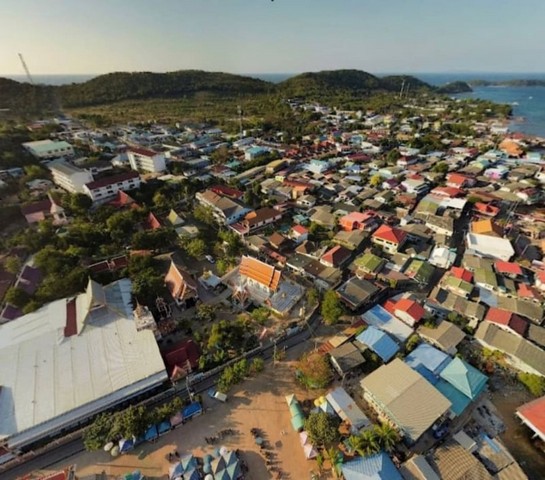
[258, 402]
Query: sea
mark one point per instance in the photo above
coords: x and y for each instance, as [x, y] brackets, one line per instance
[528, 103]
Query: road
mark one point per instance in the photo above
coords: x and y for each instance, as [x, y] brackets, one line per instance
[63, 452]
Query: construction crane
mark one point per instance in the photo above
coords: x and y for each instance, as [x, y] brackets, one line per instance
[27, 71]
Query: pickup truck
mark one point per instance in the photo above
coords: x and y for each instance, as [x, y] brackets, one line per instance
[213, 393]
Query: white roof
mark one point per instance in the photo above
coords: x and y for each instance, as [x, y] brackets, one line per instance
[43, 146]
[346, 408]
[490, 246]
[380, 318]
[49, 380]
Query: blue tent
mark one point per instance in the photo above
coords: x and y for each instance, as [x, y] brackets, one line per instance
[191, 410]
[126, 445]
[164, 427]
[151, 433]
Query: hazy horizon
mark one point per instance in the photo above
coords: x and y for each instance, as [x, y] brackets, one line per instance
[265, 37]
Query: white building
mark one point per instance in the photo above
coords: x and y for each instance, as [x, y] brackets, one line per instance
[69, 177]
[70, 360]
[143, 159]
[487, 246]
[49, 149]
[107, 188]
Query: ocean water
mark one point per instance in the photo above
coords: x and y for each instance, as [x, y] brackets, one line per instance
[528, 103]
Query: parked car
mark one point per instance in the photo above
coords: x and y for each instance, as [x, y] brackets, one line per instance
[210, 259]
[213, 393]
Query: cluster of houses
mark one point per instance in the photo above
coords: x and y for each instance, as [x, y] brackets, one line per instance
[443, 243]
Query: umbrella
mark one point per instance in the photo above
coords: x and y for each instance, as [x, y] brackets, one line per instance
[209, 477]
[258, 441]
[114, 452]
[108, 446]
[223, 450]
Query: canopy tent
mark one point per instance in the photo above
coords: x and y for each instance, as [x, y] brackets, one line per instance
[298, 422]
[126, 445]
[310, 451]
[188, 462]
[192, 410]
[151, 433]
[176, 419]
[303, 438]
[175, 471]
[295, 409]
[191, 474]
[163, 427]
[290, 399]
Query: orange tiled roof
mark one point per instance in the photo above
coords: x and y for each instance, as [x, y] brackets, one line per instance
[260, 272]
[486, 227]
[180, 284]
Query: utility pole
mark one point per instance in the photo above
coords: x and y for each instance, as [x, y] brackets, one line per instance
[401, 91]
[240, 119]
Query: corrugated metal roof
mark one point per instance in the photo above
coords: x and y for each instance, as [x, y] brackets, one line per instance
[374, 467]
[51, 380]
[379, 342]
[430, 357]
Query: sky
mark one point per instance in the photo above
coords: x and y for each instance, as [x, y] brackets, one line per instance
[280, 36]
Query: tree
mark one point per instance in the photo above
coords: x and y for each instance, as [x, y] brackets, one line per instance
[534, 383]
[322, 428]
[355, 443]
[375, 180]
[97, 434]
[196, 247]
[79, 203]
[13, 265]
[313, 296]
[17, 297]
[387, 436]
[314, 371]
[336, 460]
[257, 366]
[132, 422]
[331, 308]
[206, 313]
[412, 343]
[220, 155]
[441, 167]
[370, 443]
[204, 214]
[261, 315]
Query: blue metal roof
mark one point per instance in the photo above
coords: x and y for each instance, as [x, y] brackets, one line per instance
[458, 399]
[379, 342]
[375, 467]
[430, 357]
[465, 378]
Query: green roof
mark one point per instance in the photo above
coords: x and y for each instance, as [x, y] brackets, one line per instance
[484, 275]
[464, 377]
[420, 270]
[455, 282]
[369, 262]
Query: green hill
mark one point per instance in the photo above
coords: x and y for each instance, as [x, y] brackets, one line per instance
[115, 87]
[455, 87]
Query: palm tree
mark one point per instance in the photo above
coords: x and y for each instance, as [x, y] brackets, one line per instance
[356, 444]
[387, 436]
[336, 460]
[370, 442]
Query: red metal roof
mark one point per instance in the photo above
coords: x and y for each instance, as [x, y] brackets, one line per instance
[390, 234]
[462, 273]
[41, 206]
[508, 267]
[178, 356]
[497, 315]
[226, 191]
[145, 152]
[534, 412]
[71, 327]
[410, 307]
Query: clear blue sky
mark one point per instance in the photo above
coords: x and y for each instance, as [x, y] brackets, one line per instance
[284, 36]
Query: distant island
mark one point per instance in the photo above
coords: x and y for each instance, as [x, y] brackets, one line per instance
[508, 83]
[455, 87]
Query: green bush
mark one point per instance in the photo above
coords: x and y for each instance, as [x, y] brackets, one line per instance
[534, 383]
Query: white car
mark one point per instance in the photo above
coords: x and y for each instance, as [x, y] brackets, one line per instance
[210, 259]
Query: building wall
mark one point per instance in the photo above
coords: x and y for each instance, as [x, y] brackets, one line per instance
[154, 164]
[74, 182]
[109, 191]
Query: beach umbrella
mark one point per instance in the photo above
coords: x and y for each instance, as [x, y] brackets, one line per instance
[114, 452]
[108, 446]
[258, 441]
[223, 450]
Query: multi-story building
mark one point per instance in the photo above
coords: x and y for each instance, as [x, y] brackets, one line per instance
[143, 159]
[49, 149]
[69, 177]
[108, 187]
[225, 210]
